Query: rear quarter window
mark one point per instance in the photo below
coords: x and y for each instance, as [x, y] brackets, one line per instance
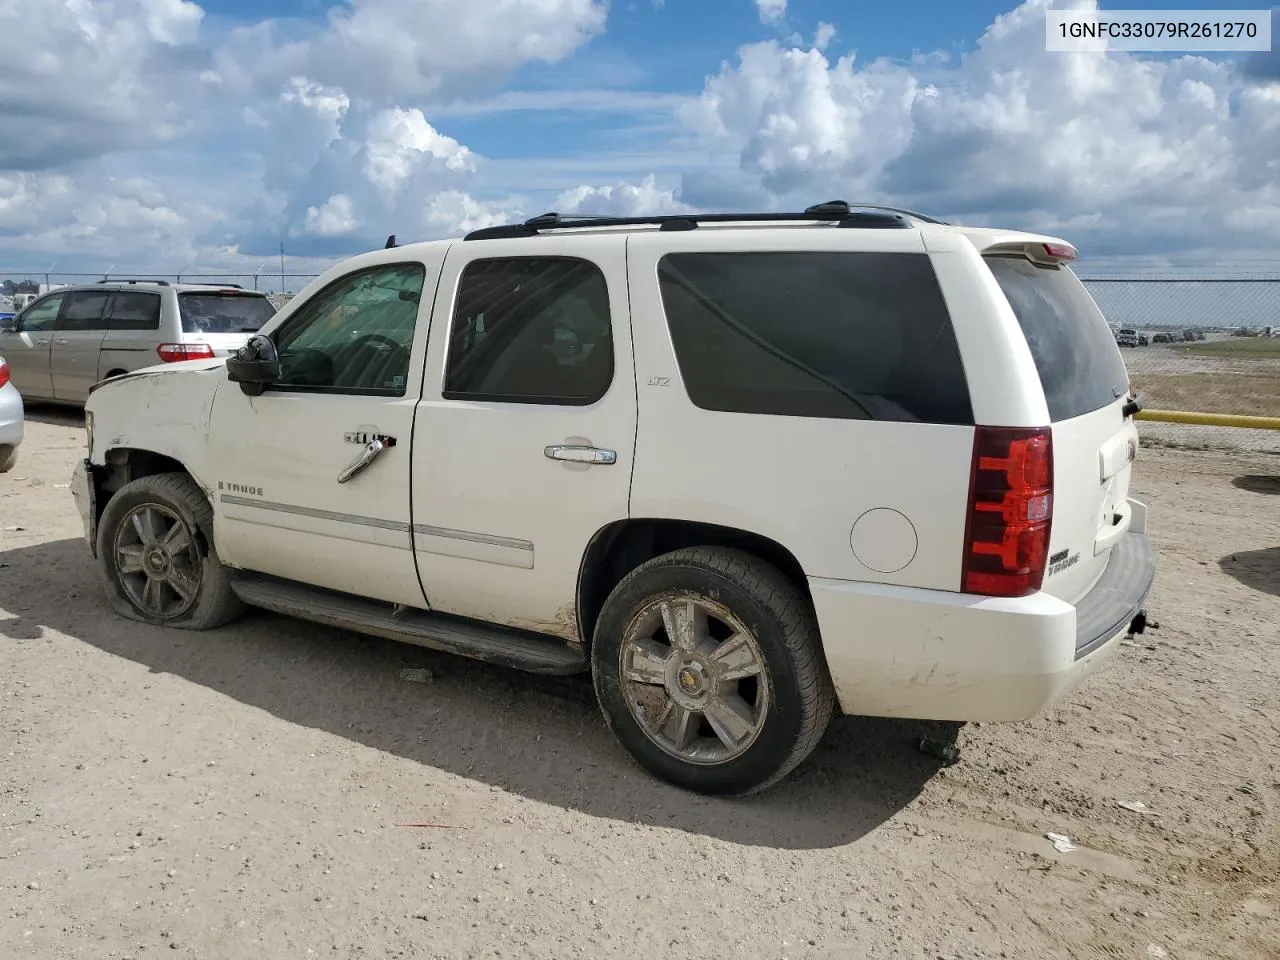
[1075, 352]
[860, 336]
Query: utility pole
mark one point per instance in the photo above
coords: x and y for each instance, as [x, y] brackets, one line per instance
[282, 290]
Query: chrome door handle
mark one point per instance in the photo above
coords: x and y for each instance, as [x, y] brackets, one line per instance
[367, 456]
[579, 454]
[41, 343]
[62, 341]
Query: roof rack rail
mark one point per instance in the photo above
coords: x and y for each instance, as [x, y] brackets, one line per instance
[158, 283]
[220, 286]
[902, 210]
[833, 211]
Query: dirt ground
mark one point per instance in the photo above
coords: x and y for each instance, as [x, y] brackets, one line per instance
[236, 794]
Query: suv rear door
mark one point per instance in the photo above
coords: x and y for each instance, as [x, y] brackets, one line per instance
[133, 322]
[522, 448]
[77, 341]
[1086, 387]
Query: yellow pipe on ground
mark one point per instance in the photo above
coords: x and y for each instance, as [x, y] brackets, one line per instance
[1210, 419]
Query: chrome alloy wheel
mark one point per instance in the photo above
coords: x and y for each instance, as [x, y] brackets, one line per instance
[695, 678]
[159, 566]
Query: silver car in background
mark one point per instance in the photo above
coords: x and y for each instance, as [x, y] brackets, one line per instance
[11, 419]
[64, 342]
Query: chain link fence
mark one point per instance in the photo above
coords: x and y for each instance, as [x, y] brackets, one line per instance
[1207, 345]
[1202, 345]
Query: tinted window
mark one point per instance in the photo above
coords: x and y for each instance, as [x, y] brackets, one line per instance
[1076, 356]
[40, 314]
[134, 311]
[84, 311]
[355, 336]
[862, 336]
[531, 330]
[224, 312]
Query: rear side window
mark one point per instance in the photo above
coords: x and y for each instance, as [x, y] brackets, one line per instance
[223, 312]
[531, 330]
[84, 312]
[134, 311]
[858, 336]
[1075, 352]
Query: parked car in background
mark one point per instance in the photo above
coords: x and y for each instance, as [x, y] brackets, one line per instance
[1127, 338]
[11, 419]
[1162, 338]
[541, 446]
[64, 342]
[1142, 340]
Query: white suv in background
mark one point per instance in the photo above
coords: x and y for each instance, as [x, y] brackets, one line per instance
[67, 340]
[746, 469]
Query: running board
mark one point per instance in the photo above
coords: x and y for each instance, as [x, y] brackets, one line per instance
[505, 646]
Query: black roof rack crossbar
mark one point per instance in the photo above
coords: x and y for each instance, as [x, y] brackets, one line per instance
[834, 211]
[220, 286]
[158, 283]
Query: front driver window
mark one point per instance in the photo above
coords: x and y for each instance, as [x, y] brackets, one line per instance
[40, 315]
[355, 336]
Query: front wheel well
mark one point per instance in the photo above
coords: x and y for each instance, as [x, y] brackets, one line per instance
[622, 546]
[125, 464]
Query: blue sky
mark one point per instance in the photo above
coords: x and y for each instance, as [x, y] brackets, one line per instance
[163, 135]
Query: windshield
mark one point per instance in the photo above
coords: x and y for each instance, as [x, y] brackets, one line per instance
[1075, 354]
[218, 312]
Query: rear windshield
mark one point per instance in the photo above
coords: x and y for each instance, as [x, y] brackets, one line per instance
[862, 336]
[224, 312]
[1075, 352]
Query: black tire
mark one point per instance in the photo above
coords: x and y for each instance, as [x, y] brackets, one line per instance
[8, 458]
[212, 603]
[782, 623]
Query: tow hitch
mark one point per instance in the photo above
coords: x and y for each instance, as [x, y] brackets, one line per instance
[1140, 623]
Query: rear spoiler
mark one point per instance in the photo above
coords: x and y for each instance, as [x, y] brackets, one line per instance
[1040, 251]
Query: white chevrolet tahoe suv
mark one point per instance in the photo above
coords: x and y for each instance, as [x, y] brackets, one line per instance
[747, 470]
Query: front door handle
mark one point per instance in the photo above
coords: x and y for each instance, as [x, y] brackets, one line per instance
[367, 456]
[62, 341]
[575, 453]
[41, 343]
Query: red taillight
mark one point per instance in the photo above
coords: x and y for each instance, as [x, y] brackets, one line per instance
[1060, 251]
[4, 373]
[1006, 543]
[173, 352]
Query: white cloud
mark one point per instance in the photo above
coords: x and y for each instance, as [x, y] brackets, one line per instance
[771, 11]
[823, 36]
[1160, 151]
[400, 143]
[641, 199]
[80, 77]
[397, 50]
[334, 218]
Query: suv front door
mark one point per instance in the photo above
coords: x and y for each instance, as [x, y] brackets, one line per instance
[28, 346]
[351, 372]
[523, 445]
[77, 342]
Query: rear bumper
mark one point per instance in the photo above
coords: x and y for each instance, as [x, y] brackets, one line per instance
[932, 655]
[12, 417]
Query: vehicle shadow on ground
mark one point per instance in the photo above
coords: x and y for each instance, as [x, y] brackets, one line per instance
[1259, 569]
[1256, 483]
[542, 738]
[53, 414]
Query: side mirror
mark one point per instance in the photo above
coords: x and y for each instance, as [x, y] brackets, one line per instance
[8, 324]
[254, 365]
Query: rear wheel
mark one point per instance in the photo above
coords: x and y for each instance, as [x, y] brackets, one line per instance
[155, 548]
[709, 670]
[8, 458]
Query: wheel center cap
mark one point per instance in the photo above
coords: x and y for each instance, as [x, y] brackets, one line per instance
[157, 561]
[691, 680]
